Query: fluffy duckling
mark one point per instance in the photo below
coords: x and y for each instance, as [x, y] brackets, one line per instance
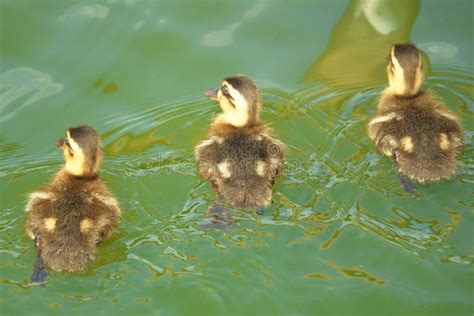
[68, 217]
[240, 156]
[412, 125]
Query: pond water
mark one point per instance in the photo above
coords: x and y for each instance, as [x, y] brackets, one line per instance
[341, 236]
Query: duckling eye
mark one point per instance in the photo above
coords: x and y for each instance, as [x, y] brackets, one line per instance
[225, 91]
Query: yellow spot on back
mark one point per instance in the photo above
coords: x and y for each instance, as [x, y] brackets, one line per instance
[443, 141]
[260, 168]
[387, 144]
[224, 169]
[85, 225]
[50, 223]
[448, 115]
[36, 197]
[407, 143]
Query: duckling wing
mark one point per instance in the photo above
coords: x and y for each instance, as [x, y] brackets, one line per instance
[38, 207]
[207, 156]
[276, 158]
[108, 210]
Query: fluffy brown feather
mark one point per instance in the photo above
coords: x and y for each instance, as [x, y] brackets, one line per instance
[414, 127]
[69, 216]
[241, 162]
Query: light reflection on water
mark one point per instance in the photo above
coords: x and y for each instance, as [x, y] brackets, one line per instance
[337, 117]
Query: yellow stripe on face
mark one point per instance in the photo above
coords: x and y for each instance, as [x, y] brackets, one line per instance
[74, 146]
[75, 162]
[397, 81]
[260, 168]
[235, 111]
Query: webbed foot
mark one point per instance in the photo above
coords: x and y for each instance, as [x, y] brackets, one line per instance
[404, 180]
[407, 184]
[39, 272]
[218, 217]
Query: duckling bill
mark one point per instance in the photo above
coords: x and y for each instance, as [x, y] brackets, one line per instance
[240, 156]
[411, 125]
[69, 216]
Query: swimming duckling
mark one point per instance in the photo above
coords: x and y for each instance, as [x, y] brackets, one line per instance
[240, 156]
[68, 217]
[412, 125]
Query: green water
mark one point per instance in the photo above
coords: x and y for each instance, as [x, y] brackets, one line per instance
[341, 237]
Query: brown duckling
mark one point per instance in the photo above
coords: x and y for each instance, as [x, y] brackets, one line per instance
[412, 125]
[68, 217]
[240, 156]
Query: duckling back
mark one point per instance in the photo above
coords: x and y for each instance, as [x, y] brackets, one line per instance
[420, 133]
[241, 166]
[69, 217]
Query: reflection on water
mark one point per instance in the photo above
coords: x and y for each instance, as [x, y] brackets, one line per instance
[224, 36]
[365, 33]
[328, 186]
[21, 87]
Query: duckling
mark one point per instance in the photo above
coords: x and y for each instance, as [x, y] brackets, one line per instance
[240, 156]
[412, 126]
[68, 217]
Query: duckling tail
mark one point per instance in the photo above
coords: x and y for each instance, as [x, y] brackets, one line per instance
[428, 166]
[67, 254]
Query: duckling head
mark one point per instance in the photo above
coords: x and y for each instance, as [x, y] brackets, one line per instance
[239, 100]
[81, 147]
[404, 70]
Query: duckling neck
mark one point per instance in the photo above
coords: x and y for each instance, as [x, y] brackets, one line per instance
[64, 172]
[222, 127]
[403, 93]
[235, 121]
